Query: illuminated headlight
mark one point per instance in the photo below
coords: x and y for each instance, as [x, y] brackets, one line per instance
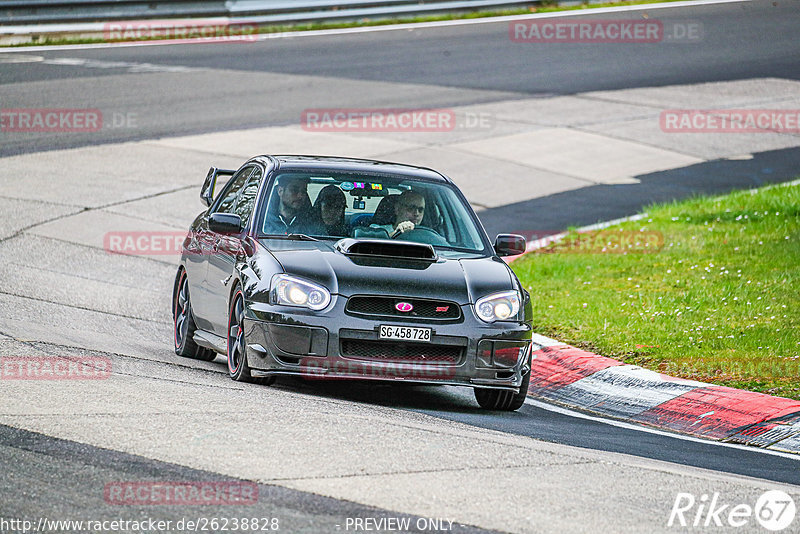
[498, 306]
[291, 291]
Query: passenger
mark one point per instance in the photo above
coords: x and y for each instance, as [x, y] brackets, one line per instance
[293, 213]
[408, 213]
[329, 211]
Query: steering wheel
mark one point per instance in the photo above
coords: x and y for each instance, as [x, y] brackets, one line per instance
[422, 234]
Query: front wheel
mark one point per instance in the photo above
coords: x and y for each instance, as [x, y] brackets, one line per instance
[238, 369]
[502, 400]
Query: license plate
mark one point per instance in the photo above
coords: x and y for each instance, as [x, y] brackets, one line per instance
[404, 333]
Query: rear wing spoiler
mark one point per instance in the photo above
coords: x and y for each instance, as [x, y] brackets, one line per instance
[207, 192]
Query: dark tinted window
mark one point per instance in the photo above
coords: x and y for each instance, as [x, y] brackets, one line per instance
[232, 190]
[247, 197]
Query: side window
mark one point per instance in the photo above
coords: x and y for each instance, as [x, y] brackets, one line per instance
[247, 197]
[232, 191]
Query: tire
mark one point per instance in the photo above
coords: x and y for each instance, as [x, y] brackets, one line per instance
[183, 322]
[238, 369]
[502, 400]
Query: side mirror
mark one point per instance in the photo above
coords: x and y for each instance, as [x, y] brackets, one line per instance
[509, 244]
[207, 192]
[225, 223]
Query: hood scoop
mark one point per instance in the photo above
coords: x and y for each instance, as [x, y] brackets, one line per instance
[386, 249]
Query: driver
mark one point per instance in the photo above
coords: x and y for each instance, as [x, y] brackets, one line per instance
[408, 213]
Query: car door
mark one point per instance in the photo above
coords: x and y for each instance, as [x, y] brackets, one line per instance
[225, 248]
[202, 299]
[196, 265]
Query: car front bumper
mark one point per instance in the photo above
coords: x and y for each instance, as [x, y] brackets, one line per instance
[334, 345]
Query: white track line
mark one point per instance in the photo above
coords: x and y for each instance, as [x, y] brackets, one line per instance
[642, 428]
[388, 27]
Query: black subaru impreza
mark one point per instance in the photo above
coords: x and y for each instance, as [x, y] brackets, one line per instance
[335, 268]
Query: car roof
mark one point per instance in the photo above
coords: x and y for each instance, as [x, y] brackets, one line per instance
[335, 163]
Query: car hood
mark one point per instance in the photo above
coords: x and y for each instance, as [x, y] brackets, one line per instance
[462, 280]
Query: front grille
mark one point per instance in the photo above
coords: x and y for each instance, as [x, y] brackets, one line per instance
[407, 352]
[385, 306]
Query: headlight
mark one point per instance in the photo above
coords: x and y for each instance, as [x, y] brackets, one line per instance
[498, 306]
[291, 291]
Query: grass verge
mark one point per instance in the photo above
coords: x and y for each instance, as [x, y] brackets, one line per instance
[545, 7]
[706, 289]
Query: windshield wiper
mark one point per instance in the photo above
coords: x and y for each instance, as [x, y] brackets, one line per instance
[301, 237]
[293, 237]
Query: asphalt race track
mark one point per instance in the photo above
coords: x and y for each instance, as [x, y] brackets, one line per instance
[571, 137]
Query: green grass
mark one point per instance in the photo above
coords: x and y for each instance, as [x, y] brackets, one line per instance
[718, 300]
[546, 7]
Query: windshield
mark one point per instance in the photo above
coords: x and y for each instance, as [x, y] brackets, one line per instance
[334, 206]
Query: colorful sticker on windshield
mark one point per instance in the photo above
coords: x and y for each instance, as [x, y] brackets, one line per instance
[347, 186]
[377, 187]
[359, 185]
